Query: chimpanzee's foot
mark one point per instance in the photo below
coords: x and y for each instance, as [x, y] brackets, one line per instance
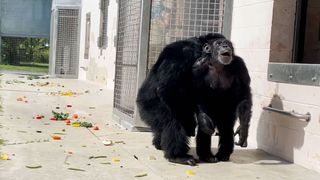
[222, 157]
[209, 158]
[186, 160]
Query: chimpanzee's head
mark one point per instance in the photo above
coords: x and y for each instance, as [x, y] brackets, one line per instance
[220, 50]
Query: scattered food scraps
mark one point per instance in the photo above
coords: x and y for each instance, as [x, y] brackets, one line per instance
[76, 124]
[39, 117]
[56, 137]
[34, 167]
[63, 130]
[4, 157]
[53, 119]
[75, 116]
[135, 157]
[97, 157]
[107, 142]
[141, 175]
[64, 93]
[67, 121]
[2, 141]
[192, 173]
[39, 131]
[76, 169]
[14, 82]
[60, 116]
[96, 128]
[42, 84]
[119, 142]
[22, 99]
[58, 133]
[69, 105]
[105, 163]
[115, 160]
[31, 77]
[82, 124]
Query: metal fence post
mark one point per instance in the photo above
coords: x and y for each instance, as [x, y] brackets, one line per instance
[227, 20]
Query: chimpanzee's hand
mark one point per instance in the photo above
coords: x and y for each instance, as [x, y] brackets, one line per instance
[205, 123]
[243, 136]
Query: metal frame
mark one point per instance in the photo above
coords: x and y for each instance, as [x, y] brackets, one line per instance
[134, 122]
[227, 19]
[53, 41]
[296, 72]
[303, 74]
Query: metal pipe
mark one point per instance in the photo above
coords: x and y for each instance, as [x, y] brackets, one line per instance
[306, 116]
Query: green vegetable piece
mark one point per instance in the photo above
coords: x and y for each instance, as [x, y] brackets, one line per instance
[76, 169]
[34, 167]
[141, 175]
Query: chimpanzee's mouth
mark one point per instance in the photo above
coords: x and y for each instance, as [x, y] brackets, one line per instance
[227, 53]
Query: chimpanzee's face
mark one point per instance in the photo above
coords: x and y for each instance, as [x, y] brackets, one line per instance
[221, 50]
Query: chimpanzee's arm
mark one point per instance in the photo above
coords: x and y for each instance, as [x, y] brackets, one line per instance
[244, 107]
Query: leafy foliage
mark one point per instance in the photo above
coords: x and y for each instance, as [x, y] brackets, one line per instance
[24, 50]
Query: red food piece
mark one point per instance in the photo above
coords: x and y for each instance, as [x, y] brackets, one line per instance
[96, 128]
[56, 137]
[75, 116]
[53, 119]
[38, 117]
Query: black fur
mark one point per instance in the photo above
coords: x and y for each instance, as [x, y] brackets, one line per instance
[223, 88]
[166, 100]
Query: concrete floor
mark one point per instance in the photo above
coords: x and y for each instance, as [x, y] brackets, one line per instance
[131, 156]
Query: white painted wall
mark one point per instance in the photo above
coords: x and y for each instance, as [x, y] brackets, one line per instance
[262, 31]
[100, 66]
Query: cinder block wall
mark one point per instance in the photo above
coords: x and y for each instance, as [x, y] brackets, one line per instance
[100, 66]
[262, 32]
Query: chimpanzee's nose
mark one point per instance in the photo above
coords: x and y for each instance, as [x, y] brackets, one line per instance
[225, 46]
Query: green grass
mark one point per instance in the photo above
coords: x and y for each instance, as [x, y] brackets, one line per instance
[0, 96]
[26, 67]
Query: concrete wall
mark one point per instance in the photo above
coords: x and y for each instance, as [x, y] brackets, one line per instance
[262, 31]
[99, 67]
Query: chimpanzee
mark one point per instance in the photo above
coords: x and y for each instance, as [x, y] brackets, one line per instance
[166, 99]
[223, 93]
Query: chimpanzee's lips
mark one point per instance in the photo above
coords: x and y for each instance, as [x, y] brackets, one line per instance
[227, 53]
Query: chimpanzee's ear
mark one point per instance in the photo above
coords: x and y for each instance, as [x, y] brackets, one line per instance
[207, 48]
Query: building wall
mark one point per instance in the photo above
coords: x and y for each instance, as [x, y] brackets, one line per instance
[262, 32]
[99, 67]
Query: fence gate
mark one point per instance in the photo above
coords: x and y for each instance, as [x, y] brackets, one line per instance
[144, 28]
[65, 39]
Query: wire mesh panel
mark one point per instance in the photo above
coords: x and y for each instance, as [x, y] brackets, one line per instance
[174, 20]
[27, 54]
[127, 55]
[67, 46]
